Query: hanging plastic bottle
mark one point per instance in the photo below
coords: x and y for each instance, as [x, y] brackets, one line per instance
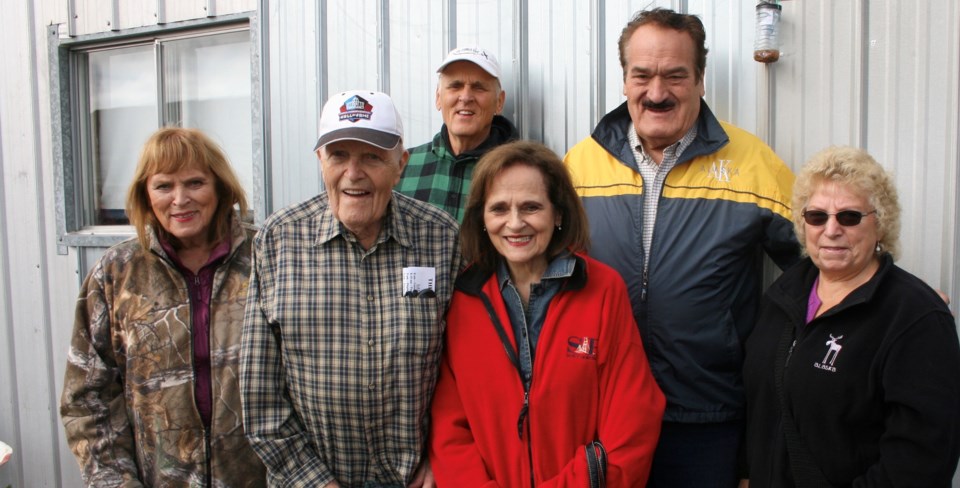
[766, 45]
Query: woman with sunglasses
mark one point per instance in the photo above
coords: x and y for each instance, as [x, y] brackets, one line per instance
[852, 373]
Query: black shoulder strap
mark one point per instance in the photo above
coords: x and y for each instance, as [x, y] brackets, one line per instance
[512, 355]
[511, 352]
[806, 473]
[596, 464]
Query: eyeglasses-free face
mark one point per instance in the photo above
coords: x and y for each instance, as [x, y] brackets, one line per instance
[846, 218]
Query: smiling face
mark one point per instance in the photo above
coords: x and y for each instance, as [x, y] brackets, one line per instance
[662, 86]
[359, 179]
[520, 219]
[842, 253]
[468, 97]
[184, 204]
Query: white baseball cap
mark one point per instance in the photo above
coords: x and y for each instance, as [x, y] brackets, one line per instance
[476, 55]
[360, 115]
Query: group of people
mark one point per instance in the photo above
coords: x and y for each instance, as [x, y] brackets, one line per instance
[477, 311]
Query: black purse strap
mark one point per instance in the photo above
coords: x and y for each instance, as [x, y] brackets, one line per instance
[513, 356]
[596, 464]
[806, 473]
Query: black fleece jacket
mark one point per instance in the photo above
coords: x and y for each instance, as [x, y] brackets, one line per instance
[873, 384]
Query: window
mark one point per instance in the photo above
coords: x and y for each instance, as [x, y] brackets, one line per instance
[122, 90]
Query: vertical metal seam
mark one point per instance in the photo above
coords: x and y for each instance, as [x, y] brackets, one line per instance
[322, 84]
[161, 12]
[71, 18]
[115, 15]
[598, 85]
[953, 258]
[521, 44]
[862, 62]
[449, 26]
[383, 45]
[262, 171]
[44, 260]
[161, 86]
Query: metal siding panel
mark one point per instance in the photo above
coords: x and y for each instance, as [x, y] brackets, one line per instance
[731, 81]
[27, 339]
[352, 35]
[51, 12]
[417, 47]
[561, 73]
[92, 17]
[294, 46]
[817, 83]
[138, 14]
[179, 10]
[96, 17]
[912, 130]
[224, 7]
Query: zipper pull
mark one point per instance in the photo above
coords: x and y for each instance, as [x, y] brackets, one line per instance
[523, 413]
[643, 285]
[790, 353]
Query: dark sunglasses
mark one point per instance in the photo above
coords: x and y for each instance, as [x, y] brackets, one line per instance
[846, 218]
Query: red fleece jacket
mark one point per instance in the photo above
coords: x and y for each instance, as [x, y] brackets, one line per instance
[591, 381]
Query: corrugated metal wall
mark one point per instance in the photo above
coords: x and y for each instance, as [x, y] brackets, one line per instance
[38, 286]
[881, 74]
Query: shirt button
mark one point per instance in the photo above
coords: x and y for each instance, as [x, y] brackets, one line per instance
[369, 298]
[370, 343]
[372, 386]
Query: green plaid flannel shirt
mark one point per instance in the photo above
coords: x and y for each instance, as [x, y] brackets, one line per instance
[434, 175]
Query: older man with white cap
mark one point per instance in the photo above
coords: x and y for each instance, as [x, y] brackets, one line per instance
[345, 310]
[470, 99]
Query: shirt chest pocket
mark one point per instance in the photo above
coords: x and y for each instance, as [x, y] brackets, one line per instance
[414, 328]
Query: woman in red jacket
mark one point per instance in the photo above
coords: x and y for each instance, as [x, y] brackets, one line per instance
[543, 381]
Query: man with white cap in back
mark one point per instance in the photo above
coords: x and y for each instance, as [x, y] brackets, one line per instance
[470, 99]
[345, 310]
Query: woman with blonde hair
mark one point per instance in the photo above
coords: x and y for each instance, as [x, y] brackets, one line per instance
[852, 371]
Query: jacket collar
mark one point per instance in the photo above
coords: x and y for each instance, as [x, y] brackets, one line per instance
[792, 290]
[472, 280]
[501, 131]
[238, 235]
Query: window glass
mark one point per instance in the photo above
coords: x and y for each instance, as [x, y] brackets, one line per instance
[207, 83]
[203, 81]
[122, 114]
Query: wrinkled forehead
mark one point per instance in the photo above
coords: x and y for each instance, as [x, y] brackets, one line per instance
[466, 72]
[353, 147]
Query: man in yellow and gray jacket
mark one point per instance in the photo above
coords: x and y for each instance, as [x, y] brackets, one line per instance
[682, 205]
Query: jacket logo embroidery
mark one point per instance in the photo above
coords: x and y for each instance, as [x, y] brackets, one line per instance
[720, 170]
[582, 347]
[832, 352]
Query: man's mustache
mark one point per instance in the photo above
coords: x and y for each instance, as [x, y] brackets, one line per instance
[664, 105]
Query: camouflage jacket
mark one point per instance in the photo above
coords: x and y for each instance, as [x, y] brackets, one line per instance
[128, 398]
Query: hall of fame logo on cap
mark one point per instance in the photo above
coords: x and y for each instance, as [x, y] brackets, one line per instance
[356, 108]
